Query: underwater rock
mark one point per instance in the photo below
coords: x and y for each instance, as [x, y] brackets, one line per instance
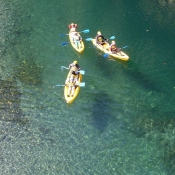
[162, 2]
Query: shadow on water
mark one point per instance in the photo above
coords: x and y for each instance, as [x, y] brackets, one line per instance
[135, 74]
[101, 111]
[130, 69]
[155, 119]
[10, 103]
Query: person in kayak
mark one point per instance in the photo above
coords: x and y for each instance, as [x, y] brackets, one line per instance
[72, 27]
[74, 67]
[113, 48]
[70, 82]
[100, 38]
[77, 39]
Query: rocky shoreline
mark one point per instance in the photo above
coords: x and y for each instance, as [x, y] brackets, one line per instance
[9, 91]
[7, 26]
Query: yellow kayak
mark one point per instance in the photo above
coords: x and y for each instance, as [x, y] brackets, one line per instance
[81, 48]
[77, 89]
[105, 48]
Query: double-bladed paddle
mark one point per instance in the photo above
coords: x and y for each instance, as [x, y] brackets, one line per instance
[84, 31]
[90, 39]
[65, 43]
[106, 54]
[81, 71]
[80, 84]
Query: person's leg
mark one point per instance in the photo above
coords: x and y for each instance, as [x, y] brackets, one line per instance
[69, 89]
[73, 90]
[76, 43]
[79, 44]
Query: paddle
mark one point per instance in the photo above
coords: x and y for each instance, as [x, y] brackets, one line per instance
[80, 84]
[65, 43]
[106, 54]
[89, 39]
[81, 71]
[84, 31]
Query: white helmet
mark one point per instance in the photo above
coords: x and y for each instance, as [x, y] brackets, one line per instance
[99, 33]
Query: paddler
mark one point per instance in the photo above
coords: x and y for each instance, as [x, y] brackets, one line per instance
[70, 82]
[113, 48]
[72, 27]
[74, 67]
[76, 38]
[100, 39]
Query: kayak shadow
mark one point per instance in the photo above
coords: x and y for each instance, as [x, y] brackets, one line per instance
[101, 111]
[142, 79]
[131, 70]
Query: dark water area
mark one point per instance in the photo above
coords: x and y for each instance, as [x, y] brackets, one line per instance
[123, 120]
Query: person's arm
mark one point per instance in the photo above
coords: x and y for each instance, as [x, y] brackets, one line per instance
[80, 38]
[66, 82]
[104, 39]
[110, 48]
[78, 67]
[70, 65]
[96, 38]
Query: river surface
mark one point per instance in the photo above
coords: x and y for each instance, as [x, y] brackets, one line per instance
[123, 120]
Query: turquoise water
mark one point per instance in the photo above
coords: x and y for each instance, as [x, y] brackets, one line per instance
[121, 123]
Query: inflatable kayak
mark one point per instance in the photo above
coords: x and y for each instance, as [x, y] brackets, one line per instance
[80, 48]
[105, 48]
[77, 89]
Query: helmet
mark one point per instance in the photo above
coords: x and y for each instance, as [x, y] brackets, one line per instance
[72, 24]
[113, 42]
[99, 33]
[75, 62]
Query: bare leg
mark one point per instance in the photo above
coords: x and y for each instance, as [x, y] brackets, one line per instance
[73, 90]
[69, 89]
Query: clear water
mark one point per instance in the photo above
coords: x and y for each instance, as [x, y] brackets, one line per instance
[121, 123]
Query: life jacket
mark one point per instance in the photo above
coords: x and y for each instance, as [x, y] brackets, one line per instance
[73, 29]
[113, 47]
[73, 69]
[76, 37]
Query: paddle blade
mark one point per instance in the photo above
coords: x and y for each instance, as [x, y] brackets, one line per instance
[82, 72]
[63, 34]
[63, 67]
[86, 31]
[124, 47]
[88, 39]
[105, 55]
[59, 85]
[112, 37]
[82, 84]
[64, 43]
